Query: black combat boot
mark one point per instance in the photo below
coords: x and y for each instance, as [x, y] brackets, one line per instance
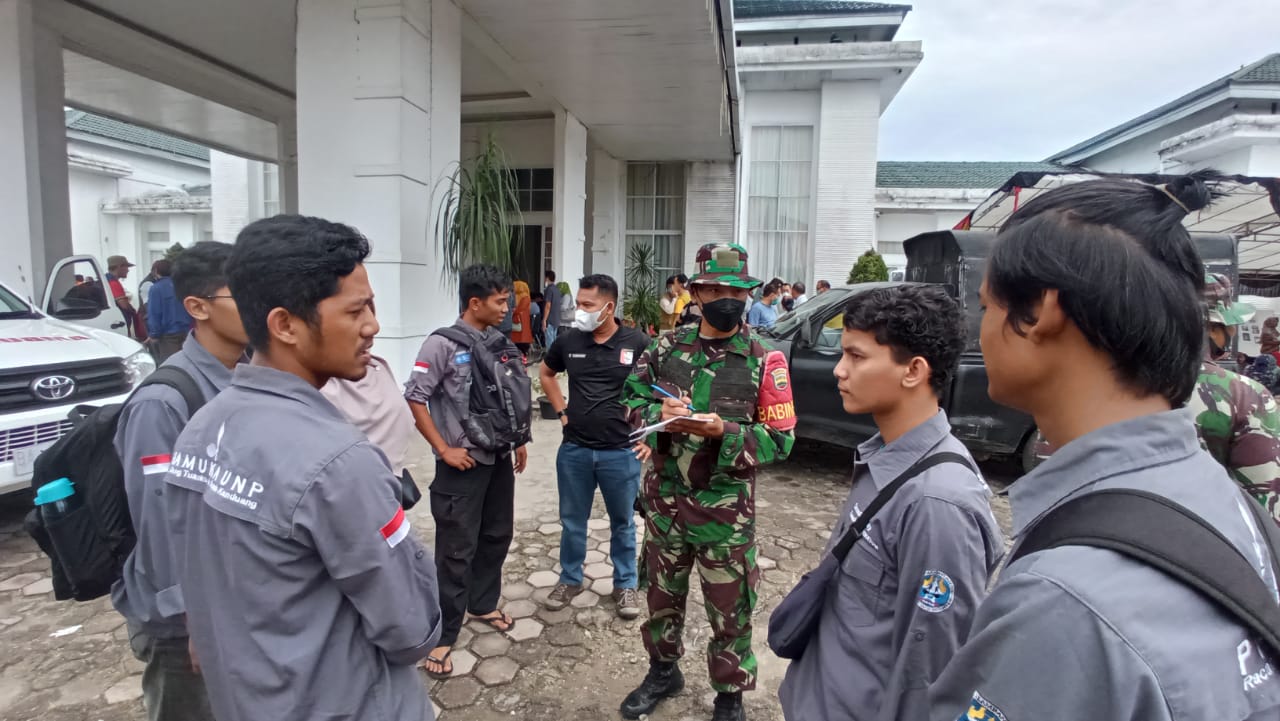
[729, 707]
[664, 680]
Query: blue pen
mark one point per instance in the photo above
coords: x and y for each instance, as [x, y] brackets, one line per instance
[667, 393]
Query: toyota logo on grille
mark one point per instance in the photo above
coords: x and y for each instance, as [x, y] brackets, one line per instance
[53, 388]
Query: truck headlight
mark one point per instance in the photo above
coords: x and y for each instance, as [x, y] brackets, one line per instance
[139, 366]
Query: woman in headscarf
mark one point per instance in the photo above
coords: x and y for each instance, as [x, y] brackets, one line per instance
[521, 323]
[1270, 341]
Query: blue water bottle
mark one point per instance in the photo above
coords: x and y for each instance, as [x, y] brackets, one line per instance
[57, 499]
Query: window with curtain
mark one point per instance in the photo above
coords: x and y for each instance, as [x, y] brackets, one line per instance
[655, 214]
[779, 201]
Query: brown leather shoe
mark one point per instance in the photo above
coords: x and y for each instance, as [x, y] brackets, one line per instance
[561, 595]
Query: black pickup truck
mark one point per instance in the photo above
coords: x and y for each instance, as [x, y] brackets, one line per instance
[810, 336]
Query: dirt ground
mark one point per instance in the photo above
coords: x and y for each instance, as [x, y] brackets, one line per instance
[65, 661]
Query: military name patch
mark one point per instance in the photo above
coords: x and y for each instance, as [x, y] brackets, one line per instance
[937, 593]
[981, 709]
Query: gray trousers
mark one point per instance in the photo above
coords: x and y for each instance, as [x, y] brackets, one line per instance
[171, 689]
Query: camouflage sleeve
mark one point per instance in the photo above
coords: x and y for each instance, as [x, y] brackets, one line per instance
[643, 405]
[769, 440]
[1254, 457]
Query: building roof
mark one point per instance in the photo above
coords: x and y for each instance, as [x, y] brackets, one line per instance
[1266, 70]
[111, 129]
[928, 174]
[753, 9]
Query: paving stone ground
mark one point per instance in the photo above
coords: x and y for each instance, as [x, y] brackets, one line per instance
[65, 661]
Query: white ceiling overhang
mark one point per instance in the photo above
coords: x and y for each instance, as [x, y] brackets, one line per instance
[648, 79]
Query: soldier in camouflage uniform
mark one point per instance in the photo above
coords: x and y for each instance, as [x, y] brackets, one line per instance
[698, 497]
[1236, 417]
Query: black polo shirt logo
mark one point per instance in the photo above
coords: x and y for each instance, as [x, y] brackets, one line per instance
[627, 356]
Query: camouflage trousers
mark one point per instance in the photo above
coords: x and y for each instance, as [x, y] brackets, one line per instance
[684, 530]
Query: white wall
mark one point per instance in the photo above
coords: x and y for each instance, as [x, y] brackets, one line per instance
[90, 228]
[1265, 161]
[845, 207]
[1141, 154]
[527, 143]
[237, 194]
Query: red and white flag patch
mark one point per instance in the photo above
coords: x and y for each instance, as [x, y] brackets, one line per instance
[396, 529]
[152, 465]
[421, 367]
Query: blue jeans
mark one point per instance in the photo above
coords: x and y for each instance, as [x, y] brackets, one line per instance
[617, 473]
[551, 334]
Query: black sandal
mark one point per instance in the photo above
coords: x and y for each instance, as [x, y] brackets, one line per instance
[494, 621]
[443, 673]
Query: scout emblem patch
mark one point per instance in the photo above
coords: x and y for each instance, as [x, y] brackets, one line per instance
[776, 407]
[981, 709]
[937, 593]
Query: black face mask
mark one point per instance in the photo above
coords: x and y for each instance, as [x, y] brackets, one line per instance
[724, 314]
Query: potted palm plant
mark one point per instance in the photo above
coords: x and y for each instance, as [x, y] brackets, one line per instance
[640, 301]
[478, 207]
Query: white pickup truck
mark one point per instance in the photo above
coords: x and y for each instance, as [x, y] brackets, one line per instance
[71, 351]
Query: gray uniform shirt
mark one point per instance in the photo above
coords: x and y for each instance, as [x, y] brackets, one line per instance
[1086, 633]
[438, 380]
[307, 595]
[149, 424]
[908, 589]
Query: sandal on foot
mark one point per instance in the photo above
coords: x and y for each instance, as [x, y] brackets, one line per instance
[443, 673]
[502, 622]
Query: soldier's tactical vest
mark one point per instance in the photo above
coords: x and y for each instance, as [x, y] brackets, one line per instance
[734, 393]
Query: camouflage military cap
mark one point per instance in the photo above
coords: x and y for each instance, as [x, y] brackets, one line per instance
[723, 264]
[1220, 306]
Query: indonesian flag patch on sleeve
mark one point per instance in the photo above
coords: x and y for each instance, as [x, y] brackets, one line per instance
[776, 407]
[396, 529]
[152, 465]
[421, 367]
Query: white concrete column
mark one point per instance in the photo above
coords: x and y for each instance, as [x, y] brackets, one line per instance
[229, 176]
[608, 248]
[569, 224]
[182, 229]
[378, 103]
[847, 136]
[287, 132]
[33, 157]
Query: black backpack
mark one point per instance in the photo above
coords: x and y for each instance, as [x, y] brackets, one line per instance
[88, 546]
[1156, 531]
[500, 402]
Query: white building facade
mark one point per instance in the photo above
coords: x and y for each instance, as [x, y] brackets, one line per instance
[132, 191]
[667, 124]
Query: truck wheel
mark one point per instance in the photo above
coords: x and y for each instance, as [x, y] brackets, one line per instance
[1034, 451]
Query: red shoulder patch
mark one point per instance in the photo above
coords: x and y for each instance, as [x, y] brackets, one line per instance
[776, 406]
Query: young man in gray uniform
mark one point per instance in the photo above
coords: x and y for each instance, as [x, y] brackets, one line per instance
[906, 593]
[149, 424]
[307, 596]
[473, 493]
[1093, 325]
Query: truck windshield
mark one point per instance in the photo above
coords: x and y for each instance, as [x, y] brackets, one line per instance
[11, 306]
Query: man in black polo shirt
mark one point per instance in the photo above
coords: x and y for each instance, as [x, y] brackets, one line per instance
[599, 354]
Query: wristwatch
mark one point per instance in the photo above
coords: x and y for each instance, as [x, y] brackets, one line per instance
[562, 414]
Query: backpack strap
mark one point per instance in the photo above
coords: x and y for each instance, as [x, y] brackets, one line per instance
[455, 334]
[1156, 531]
[852, 535]
[179, 380]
